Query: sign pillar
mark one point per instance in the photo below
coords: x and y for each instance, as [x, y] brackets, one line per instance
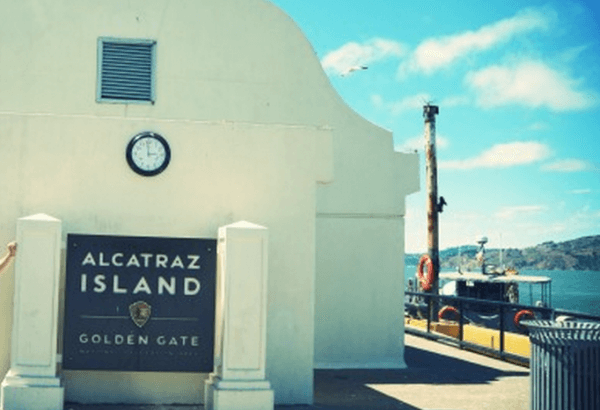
[32, 382]
[238, 380]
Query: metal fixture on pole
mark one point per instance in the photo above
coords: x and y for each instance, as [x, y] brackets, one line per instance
[481, 254]
[433, 206]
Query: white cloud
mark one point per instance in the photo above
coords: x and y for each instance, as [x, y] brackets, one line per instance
[377, 100]
[361, 54]
[580, 191]
[582, 221]
[528, 231]
[538, 126]
[570, 165]
[531, 84]
[413, 102]
[503, 156]
[572, 53]
[507, 226]
[455, 101]
[416, 102]
[436, 53]
[417, 143]
[512, 212]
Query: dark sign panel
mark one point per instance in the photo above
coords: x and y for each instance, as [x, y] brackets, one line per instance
[139, 304]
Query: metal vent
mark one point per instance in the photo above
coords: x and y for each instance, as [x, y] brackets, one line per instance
[126, 70]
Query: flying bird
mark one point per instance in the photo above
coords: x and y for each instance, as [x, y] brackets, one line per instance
[352, 69]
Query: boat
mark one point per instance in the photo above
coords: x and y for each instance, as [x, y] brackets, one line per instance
[481, 321]
[498, 284]
[491, 283]
[498, 287]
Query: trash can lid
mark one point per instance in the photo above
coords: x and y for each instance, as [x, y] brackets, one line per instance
[563, 332]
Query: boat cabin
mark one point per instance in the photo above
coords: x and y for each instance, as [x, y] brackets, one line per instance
[508, 288]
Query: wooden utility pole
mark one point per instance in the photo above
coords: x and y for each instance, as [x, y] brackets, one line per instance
[429, 113]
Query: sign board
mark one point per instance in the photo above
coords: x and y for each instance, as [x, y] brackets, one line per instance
[139, 304]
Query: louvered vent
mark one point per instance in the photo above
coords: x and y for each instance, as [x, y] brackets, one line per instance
[126, 70]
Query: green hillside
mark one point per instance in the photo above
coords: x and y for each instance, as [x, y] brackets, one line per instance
[578, 254]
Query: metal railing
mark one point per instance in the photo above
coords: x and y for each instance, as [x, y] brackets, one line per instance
[466, 305]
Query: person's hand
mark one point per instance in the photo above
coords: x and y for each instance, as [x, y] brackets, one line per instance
[12, 249]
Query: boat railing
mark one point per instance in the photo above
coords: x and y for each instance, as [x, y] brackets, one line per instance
[465, 307]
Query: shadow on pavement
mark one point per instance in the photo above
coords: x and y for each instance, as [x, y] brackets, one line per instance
[349, 389]
[427, 367]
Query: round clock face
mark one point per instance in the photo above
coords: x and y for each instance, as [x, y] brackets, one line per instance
[148, 154]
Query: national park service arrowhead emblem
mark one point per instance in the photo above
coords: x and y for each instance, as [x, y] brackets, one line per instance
[140, 313]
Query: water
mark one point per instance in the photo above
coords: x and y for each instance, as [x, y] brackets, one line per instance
[572, 290]
[577, 291]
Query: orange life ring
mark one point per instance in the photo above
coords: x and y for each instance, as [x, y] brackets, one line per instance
[519, 316]
[426, 279]
[447, 309]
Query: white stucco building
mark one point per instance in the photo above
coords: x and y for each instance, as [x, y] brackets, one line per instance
[256, 132]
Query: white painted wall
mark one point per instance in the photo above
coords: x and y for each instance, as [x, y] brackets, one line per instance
[253, 124]
[360, 252]
[219, 173]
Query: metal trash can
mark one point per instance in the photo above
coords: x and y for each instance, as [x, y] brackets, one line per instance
[564, 364]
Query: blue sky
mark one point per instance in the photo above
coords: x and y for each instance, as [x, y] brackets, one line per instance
[518, 87]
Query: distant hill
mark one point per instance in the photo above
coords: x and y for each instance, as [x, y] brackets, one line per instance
[578, 254]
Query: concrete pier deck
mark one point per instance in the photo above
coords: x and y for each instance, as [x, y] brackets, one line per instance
[438, 377]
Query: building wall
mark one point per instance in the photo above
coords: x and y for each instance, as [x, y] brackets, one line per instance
[264, 174]
[216, 60]
[257, 133]
[358, 292]
[360, 252]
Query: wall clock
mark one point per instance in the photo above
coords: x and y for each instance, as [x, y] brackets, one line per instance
[148, 154]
